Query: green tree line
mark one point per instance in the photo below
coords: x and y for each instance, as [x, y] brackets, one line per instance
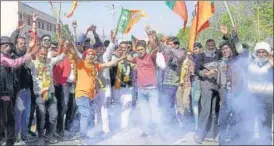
[254, 23]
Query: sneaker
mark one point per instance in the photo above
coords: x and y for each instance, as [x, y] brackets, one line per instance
[29, 138]
[51, 140]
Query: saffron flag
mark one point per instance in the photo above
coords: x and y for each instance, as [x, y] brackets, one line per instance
[204, 10]
[179, 7]
[74, 5]
[134, 42]
[128, 19]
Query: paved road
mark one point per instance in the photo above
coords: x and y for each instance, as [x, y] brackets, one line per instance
[132, 137]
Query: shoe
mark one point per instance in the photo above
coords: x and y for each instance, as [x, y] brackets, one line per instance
[144, 135]
[32, 133]
[40, 141]
[51, 140]
[20, 142]
[29, 138]
[197, 139]
[81, 139]
[59, 135]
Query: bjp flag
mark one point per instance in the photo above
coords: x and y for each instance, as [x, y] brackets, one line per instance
[128, 19]
[204, 10]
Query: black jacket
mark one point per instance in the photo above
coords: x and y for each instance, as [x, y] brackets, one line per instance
[6, 82]
[22, 75]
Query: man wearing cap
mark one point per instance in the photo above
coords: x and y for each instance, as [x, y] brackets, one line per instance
[87, 72]
[260, 87]
[7, 115]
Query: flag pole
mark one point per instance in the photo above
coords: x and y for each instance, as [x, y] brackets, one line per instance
[230, 16]
[59, 12]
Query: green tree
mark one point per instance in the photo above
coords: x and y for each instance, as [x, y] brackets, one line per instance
[183, 36]
[246, 16]
[264, 16]
[66, 34]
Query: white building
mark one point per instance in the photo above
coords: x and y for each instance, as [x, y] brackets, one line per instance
[13, 11]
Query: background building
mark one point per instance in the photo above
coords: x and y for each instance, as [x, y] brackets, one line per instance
[13, 11]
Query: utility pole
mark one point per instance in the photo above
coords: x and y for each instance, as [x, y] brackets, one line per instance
[112, 12]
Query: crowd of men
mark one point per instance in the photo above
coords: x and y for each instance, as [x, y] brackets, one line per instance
[72, 83]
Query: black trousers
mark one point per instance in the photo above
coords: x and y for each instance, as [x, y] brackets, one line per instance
[7, 121]
[65, 105]
[49, 106]
[207, 125]
[71, 111]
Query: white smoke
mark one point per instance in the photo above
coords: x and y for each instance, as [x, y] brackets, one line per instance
[249, 111]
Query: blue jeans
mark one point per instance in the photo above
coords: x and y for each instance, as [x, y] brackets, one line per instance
[86, 110]
[149, 107]
[196, 94]
[22, 112]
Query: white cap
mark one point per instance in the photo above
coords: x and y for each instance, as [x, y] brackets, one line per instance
[262, 45]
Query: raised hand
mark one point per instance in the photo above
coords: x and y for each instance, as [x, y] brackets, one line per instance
[74, 24]
[90, 28]
[148, 29]
[35, 16]
[21, 24]
[93, 28]
[67, 47]
[223, 29]
[113, 36]
[234, 28]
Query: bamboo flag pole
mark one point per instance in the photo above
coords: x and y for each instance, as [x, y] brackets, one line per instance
[59, 12]
[233, 24]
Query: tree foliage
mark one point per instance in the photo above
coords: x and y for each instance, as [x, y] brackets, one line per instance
[66, 33]
[246, 19]
[183, 36]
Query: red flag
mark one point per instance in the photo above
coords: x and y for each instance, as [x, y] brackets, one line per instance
[179, 7]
